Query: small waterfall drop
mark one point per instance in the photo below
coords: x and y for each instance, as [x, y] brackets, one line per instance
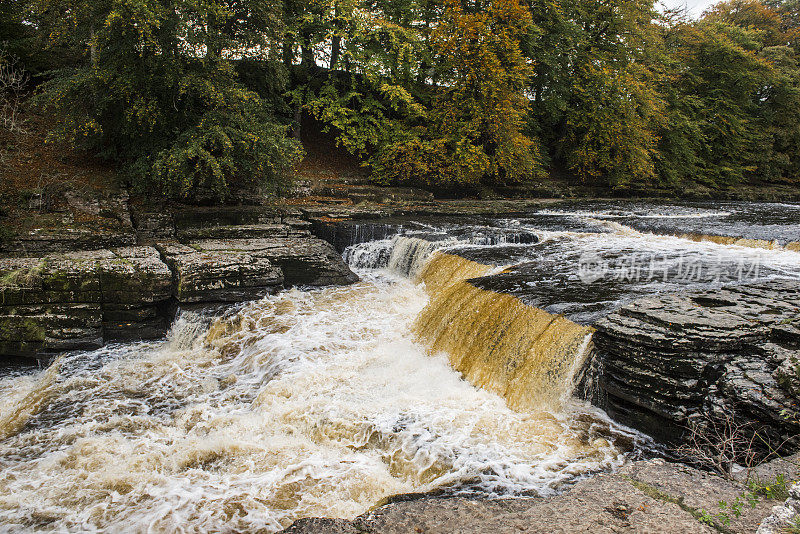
[409, 255]
[400, 254]
[524, 354]
[742, 242]
[26, 399]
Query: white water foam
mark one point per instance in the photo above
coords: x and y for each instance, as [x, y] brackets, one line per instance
[308, 403]
[683, 213]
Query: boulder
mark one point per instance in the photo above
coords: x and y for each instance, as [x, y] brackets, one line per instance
[222, 275]
[136, 287]
[44, 241]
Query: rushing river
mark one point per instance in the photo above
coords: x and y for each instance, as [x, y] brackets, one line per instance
[323, 402]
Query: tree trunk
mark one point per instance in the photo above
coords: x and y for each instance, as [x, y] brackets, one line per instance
[336, 46]
[213, 49]
[298, 118]
[92, 48]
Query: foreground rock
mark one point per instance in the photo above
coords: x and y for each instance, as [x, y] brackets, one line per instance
[219, 276]
[303, 261]
[784, 516]
[707, 360]
[643, 497]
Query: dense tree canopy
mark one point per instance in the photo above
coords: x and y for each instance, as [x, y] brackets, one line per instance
[203, 99]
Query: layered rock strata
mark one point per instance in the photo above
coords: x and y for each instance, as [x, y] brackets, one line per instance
[727, 357]
[80, 300]
[77, 300]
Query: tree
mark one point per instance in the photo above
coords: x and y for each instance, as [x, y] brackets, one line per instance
[435, 93]
[606, 110]
[750, 15]
[480, 107]
[732, 98]
[778, 119]
[158, 93]
[195, 98]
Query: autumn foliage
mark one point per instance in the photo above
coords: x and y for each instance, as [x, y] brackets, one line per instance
[203, 100]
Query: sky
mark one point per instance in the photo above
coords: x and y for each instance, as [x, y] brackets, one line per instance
[696, 7]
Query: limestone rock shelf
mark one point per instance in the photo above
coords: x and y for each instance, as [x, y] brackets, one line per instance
[77, 300]
[643, 497]
[80, 300]
[698, 358]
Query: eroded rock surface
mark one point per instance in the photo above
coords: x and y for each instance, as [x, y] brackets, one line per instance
[303, 261]
[644, 497]
[672, 361]
[784, 516]
[78, 300]
[219, 276]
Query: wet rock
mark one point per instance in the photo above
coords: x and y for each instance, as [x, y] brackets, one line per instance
[245, 231]
[303, 261]
[64, 218]
[222, 275]
[44, 241]
[204, 217]
[153, 226]
[136, 286]
[647, 496]
[705, 357]
[32, 329]
[79, 300]
[343, 234]
[372, 193]
[110, 205]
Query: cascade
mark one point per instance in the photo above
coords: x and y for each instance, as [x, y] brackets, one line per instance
[409, 254]
[742, 242]
[26, 400]
[524, 354]
[765, 244]
[325, 401]
[369, 255]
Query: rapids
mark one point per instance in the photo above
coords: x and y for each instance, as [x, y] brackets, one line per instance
[448, 367]
[307, 403]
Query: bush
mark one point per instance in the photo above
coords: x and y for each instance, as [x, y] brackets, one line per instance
[226, 153]
[160, 95]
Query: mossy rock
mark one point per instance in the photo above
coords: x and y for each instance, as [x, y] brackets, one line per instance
[20, 328]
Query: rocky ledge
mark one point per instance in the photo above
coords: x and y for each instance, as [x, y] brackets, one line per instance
[721, 363]
[80, 300]
[650, 496]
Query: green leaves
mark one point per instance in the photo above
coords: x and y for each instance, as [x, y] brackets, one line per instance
[436, 94]
[192, 97]
[228, 146]
[159, 96]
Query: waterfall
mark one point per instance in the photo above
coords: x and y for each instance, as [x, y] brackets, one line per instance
[308, 402]
[369, 255]
[409, 255]
[443, 270]
[741, 242]
[524, 354]
[400, 254]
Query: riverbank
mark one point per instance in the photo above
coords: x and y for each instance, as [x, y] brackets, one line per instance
[650, 496]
